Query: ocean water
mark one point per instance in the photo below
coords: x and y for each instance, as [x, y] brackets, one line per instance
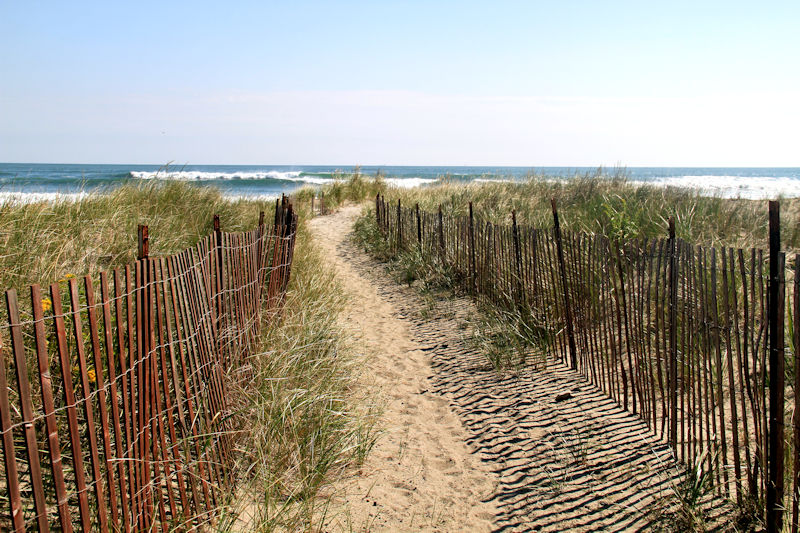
[33, 181]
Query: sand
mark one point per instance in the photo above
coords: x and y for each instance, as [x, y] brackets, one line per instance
[465, 448]
[421, 475]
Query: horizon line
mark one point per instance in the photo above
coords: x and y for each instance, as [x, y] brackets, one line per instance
[380, 165]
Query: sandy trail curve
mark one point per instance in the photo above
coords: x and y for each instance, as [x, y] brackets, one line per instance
[421, 475]
[468, 449]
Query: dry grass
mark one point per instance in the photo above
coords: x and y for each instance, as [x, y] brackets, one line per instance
[309, 421]
[41, 242]
[299, 421]
[607, 203]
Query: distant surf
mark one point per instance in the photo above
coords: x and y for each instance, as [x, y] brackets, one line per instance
[33, 181]
[296, 176]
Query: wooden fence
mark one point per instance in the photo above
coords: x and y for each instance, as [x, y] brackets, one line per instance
[113, 390]
[689, 338]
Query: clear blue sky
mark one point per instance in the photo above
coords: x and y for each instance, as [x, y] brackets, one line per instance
[516, 83]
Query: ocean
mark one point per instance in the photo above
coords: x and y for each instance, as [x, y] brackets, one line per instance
[34, 181]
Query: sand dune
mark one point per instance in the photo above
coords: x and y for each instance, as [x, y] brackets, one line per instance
[468, 449]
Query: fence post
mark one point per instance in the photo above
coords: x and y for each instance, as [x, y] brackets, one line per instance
[796, 429]
[143, 250]
[143, 345]
[472, 267]
[419, 224]
[384, 214]
[219, 300]
[441, 234]
[399, 227]
[673, 335]
[218, 236]
[379, 212]
[775, 321]
[17, 513]
[517, 255]
[573, 355]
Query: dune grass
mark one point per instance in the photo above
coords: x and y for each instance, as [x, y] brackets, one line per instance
[299, 419]
[43, 241]
[309, 421]
[600, 202]
[511, 338]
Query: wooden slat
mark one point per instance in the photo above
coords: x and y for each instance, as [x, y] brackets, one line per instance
[88, 409]
[26, 403]
[189, 386]
[731, 381]
[163, 325]
[9, 453]
[94, 335]
[112, 356]
[200, 379]
[48, 404]
[72, 415]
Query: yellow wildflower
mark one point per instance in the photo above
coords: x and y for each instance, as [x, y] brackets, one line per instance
[69, 276]
[46, 304]
[92, 375]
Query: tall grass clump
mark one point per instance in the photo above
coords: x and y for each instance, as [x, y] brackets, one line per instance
[613, 206]
[605, 202]
[305, 421]
[346, 187]
[297, 419]
[43, 241]
[411, 265]
[510, 337]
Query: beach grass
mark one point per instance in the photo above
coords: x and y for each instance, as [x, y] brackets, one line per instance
[610, 205]
[43, 241]
[309, 420]
[605, 202]
[299, 419]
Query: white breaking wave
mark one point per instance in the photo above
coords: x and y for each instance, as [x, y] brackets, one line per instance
[197, 175]
[409, 183]
[494, 180]
[35, 197]
[753, 188]
[12, 198]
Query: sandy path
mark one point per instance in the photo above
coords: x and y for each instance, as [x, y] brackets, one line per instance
[467, 448]
[421, 475]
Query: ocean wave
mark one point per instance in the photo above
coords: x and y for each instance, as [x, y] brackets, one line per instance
[409, 183]
[36, 197]
[752, 188]
[198, 175]
[494, 180]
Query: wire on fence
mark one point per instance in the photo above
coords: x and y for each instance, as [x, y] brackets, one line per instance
[113, 410]
[689, 338]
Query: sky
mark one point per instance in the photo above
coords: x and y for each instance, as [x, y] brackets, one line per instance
[533, 83]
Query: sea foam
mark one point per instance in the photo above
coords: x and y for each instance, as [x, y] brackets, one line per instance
[749, 187]
[36, 197]
[409, 183]
[198, 175]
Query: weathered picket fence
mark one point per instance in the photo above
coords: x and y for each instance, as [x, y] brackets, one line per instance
[689, 338]
[113, 390]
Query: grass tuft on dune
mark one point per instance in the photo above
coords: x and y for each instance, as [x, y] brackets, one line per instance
[299, 419]
[607, 203]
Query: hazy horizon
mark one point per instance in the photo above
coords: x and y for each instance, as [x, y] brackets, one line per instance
[577, 84]
[348, 166]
